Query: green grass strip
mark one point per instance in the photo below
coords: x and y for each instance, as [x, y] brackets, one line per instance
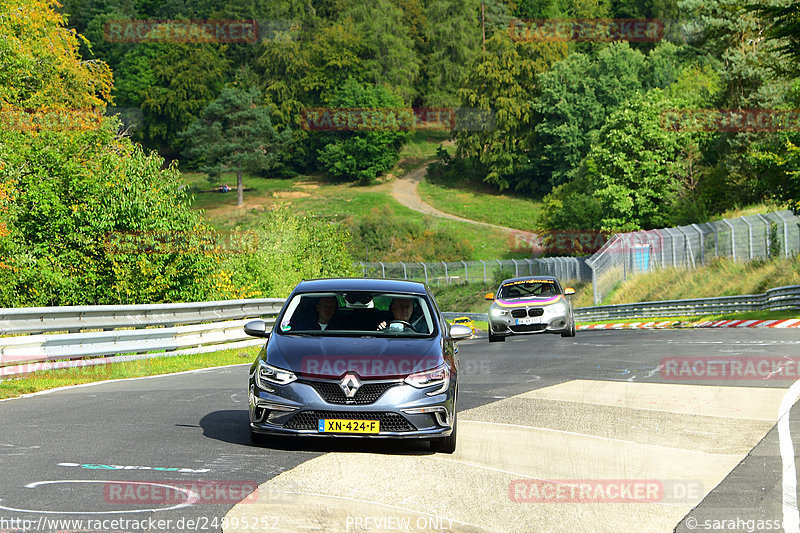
[14, 386]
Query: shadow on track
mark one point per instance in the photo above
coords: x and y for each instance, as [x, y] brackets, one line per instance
[233, 426]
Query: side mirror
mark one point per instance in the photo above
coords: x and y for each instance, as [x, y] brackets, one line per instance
[489, 296]
[569, 291]
[256, 328]
[459, 332]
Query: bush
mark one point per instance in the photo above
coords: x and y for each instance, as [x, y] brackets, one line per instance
[287, 249]
[363, 155]
[382, 236]
[75, 194]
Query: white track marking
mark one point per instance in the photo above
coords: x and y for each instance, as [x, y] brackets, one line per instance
[791, 518]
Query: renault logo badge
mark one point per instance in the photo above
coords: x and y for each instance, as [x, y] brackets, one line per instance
[350, 385]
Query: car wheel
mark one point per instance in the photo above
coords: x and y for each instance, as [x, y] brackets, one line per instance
[446, 444]
[571, 331]
[495, 338]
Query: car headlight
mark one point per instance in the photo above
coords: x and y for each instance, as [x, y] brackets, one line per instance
[438, 376]
[499, 312]
[267, 375]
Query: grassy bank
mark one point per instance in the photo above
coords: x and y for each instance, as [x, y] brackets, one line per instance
[340, 203]
[482, 205]
[721, 277]
[16, 386]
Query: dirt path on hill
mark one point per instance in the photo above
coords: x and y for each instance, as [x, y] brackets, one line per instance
[404, 191]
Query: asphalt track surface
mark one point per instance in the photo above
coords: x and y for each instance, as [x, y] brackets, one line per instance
[534, 413]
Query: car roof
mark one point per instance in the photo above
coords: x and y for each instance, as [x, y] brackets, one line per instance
[361, 284]
[511, 280]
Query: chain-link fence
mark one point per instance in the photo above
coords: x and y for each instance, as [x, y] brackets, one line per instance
[741, 239]
[566, 269]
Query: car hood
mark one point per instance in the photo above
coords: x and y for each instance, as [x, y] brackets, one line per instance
[530, 300]
[332, 357]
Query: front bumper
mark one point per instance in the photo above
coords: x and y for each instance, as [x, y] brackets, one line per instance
[506, 325]
[405, 412]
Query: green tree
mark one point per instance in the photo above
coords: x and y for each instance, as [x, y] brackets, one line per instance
[186, 78]
[453, 44]
[362, 155]
[235, 134]
[574, 99]
[503, 82]
[387, 49]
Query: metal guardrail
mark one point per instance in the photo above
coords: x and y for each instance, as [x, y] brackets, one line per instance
[773, 299]
[77, 318]
[172, 329]
[142, 331]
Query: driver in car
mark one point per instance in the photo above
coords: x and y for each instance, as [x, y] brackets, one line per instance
[402, 309]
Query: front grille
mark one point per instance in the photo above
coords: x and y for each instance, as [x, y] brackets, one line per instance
[522, 313]
[527, 328]
[331, 392]
[310, 419]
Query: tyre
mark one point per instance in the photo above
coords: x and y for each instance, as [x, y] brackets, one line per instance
[495, 338]
[571, 331]
[446, 444]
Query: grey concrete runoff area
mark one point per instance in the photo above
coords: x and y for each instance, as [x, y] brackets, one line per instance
[554, 434]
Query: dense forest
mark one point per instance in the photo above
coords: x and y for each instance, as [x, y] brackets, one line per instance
[582, 122]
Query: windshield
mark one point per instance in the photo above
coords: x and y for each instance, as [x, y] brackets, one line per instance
[358, 313]
[528, 288]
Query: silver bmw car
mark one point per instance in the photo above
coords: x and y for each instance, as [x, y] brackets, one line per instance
[530, 305]
[357, 358]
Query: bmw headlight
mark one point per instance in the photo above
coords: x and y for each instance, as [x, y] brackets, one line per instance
[499, 312]
[438, 376]
[267, 375]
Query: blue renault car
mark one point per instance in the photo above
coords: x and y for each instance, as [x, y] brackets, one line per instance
[354, 357]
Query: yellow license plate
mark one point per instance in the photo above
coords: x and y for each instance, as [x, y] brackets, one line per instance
[335, 425]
